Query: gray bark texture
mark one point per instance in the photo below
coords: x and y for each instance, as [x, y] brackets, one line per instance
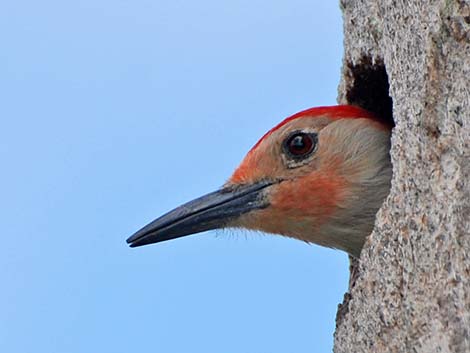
[411, 291]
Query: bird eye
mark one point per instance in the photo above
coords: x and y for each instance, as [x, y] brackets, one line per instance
[300, 144]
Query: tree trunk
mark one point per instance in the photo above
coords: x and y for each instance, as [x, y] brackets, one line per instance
[412, 287]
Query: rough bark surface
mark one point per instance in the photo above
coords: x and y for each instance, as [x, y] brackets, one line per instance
[412, 290]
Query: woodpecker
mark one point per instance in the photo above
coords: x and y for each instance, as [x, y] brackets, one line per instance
[319, 176]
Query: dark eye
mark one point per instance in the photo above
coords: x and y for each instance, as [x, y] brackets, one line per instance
[300, 144]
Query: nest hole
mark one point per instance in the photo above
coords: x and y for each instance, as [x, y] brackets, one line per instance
[369, 88]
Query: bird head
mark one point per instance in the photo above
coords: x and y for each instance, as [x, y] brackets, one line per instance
[318, 176]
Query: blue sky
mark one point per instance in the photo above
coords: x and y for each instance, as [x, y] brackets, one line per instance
[114, 112]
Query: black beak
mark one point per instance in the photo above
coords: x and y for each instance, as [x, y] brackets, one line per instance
[212, 211]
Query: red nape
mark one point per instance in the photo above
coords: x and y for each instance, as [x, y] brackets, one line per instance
[332, 112]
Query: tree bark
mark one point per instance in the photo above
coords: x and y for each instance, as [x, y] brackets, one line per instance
[412, 289]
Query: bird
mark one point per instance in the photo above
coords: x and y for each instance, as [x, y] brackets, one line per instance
[319, 176]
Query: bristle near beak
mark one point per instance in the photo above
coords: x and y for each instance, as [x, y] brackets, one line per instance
[212, 211]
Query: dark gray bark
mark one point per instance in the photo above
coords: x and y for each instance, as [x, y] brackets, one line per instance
[412, 291]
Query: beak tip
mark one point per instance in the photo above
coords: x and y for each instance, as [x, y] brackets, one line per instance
[134, 244]
[137, 240]
[133, 241]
